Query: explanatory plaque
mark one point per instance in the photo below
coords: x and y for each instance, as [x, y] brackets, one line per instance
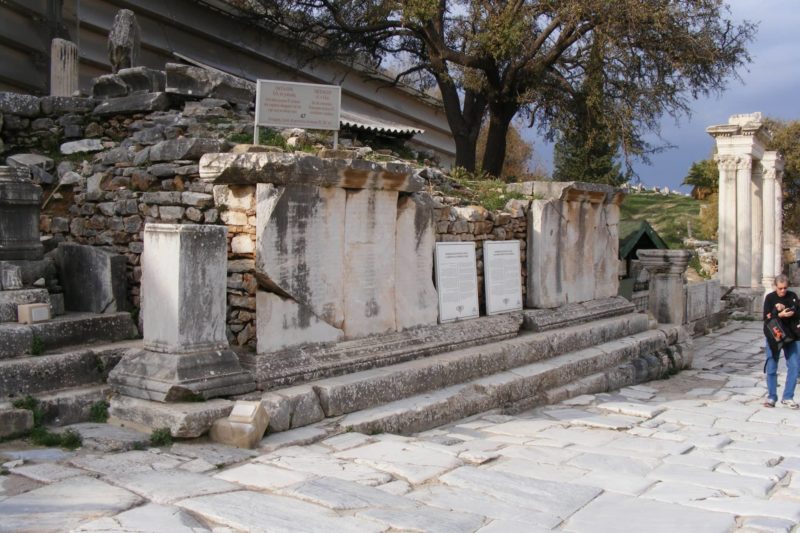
[502, 276]
[298, 105]
[456, 281]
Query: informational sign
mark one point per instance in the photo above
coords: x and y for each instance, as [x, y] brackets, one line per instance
[298, 105]
[456, 281]
[502, 276]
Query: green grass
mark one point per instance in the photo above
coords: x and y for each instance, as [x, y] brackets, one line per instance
[98, 412]
[667, 214]
[161, 437]
[476, 189]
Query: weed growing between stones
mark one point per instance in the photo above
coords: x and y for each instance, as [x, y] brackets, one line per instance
[37, 345]
[98, 412]
[161, 437]
[69, 439]
[31, 404]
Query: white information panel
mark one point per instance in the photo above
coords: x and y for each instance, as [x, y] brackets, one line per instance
[456, 281]
[298, 105]
[502, 276]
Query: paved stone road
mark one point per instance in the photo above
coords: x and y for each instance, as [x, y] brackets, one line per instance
[693, 453]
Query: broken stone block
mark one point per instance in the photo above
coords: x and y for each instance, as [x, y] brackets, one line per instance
[109, 86]
[369, 271]
[123, 41]
[282, 323]
[300, 247]
[10, 276]
[135, 103]
[142, 80]
[93, 279]
[416, 300]
[200, 82]
[185, 148]
[19, 213]
[244, 427]
[30, 160]
[82, 146]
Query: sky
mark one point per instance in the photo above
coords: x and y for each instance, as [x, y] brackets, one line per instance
[769, 84]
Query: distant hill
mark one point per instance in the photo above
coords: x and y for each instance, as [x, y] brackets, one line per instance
[668, 214]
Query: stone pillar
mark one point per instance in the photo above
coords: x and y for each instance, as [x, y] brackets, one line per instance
[756, 225]
[20, 199]
[667, 299]
[123, 41]
[186, 354]
[63, 68]
[744, 246]
[778, 203]
[772, 166]
[726, 233]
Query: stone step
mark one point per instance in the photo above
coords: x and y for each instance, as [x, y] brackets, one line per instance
[72, 329]
[361, 390]
[37, 375]
[292, 366]
[611, 365]
[577, 313]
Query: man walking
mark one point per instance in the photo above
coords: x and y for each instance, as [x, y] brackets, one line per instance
[781, 303]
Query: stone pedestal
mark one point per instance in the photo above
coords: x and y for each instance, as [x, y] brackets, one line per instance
[63, 68]
[667, 299]
[186, 355]
[20, 199]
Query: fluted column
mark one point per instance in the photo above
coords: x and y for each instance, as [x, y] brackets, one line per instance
[63, 68]
[744, 246]
[667, 298]
[756, 224]
[726, 233]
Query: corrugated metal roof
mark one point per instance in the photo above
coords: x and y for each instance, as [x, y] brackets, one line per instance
[357, 120]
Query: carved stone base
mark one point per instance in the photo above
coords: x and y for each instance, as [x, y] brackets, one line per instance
[180, 377]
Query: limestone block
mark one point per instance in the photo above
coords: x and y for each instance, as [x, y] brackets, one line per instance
[579, 224]
[606, 253]
[135, 103]
[19, 104]
[300, 247]
[369, 273]
[416, 300]
[545, 255]
[244, 427]
[183, 288]
[714, 296]
[696, 301]
[30, 160]
[123, 41]
[94, 279]
[183, 148]
[282, 323]
[15, 422]
[109, 86]
[62, 105]
[199, 82]
[142, 79]
[296, 169]
[82, 146]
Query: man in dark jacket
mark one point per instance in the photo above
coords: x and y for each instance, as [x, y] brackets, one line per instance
[781, 303]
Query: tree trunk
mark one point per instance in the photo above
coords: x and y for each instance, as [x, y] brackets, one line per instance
[465, 123]
[499, 121]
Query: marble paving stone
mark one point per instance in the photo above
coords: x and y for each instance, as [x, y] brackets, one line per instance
[198, 466]
[777, 416]
[583, 399]
[216, 454]
[12, 485]
[106, 437]
[414, 463]
[427, 519]
[152, 518]
[48, 472]
[693, 459]
[650, 446]
[398, 487]
[714, 442]
[345, 441]
[125, 463]
[606, 512]
[470, 501]
[560, 499]
[680, 493]
[294, 437]
[731, 484]
[521, 428]
[620, 483]
[63, 505]
[539, 454]
[321, 464]
[735, 455]
[340, 495]
[749, 506]
[585, 437]
[170, 486]
[507, 526]
[547, 472]
[756, 428]
[262, 476]
[636, 394]
[258, 512]
[762, 524]
[606, 421]
[773, 473]
[687, 418]
[634, 466]
[641, 410]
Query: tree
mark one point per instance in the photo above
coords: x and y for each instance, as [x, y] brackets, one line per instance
[585, 149]
[703, 176]
[786, 140]
[528, 56]
[519, 156]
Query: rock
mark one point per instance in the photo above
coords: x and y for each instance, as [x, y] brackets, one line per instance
[23, 105]
[416, 301]
[60, 105]
[244, 427]
[199, 82]
[30, 161]
[71, 178]
[82, 146]
[123, 41]
[184, 148]
[109, 86]
[135, 103]
[143, 518]
[184, 420]
[94, 279]
[282, 322]
[142, 79]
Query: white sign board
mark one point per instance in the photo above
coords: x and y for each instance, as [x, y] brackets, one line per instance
[456, 281]
[298, 105]
[502, 276]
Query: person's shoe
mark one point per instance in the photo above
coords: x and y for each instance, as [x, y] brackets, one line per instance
[769, 403]
[791, 404]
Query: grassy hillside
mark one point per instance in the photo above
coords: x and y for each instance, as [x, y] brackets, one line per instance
[667, 214]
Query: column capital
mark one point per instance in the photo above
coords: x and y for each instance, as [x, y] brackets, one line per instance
[668, 262]
[727, 162]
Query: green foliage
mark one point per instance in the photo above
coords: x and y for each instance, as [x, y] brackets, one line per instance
[667, 214]
[98, 412]
[37, 345]
[40, 435]
[479, 189]
[31, 404]
[786, 140]
[71, 439]
[161, 437]
[709, 218]
[694, 263]
[703, 176]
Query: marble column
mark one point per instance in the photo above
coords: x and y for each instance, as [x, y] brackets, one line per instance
[769, 217]
[63, 68]
[756, 224]
[667, 297]
[744, 246]
[726, 232]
